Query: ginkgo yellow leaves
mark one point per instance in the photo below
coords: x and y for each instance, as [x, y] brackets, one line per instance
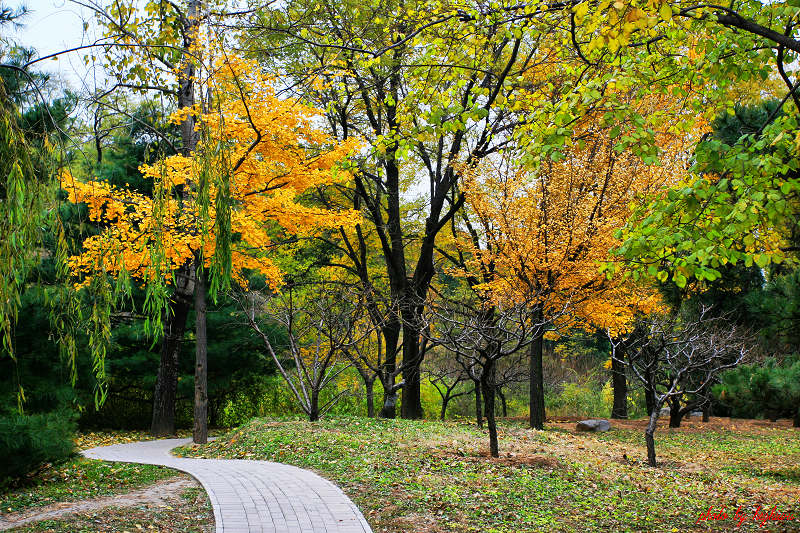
[256, 150]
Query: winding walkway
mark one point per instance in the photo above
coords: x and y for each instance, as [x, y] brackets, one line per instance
[252, 496]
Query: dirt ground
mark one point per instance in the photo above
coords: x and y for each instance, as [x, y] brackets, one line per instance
[160, 494]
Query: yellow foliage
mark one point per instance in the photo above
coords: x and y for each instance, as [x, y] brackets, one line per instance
[546, 232]
[270, 153]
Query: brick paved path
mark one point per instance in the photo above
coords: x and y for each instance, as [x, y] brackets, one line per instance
[252, 496]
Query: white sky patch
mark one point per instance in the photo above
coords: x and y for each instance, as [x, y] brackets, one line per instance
[53, 26]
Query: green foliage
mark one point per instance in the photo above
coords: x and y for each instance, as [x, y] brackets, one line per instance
[581, 399]
[737, 209]
[31, 441]
[776, 311]
[764, 389]
[237, 368]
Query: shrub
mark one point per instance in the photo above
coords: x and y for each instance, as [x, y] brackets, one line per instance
[768, 388]
[580, 399]
[34, 440]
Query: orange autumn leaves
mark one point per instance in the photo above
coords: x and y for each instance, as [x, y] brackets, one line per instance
[265, 151]
[547, 231]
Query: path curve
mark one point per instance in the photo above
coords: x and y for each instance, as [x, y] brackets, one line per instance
[252, 496]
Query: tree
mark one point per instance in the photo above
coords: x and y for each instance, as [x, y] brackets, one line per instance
[548, 228]
[320, 323]
[484, 334]
[446, 374]
[674, 356]
[258, 155]
[766, 388]
[427, 89]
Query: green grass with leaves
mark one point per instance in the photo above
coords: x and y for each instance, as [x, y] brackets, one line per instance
[437, 477]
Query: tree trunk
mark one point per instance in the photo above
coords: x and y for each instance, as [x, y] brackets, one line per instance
[391, 336]
[649, 394]
[163, 421]
[487, 384]
[443, 412]
[412, 397]
[649, 439]
[537, 413]
[313, 408]
[503, 401]
[389, 407]
[796, 420]
[200, 433]
[478, 405]
[707, 411]
[620, 385]
[675, 414]
[369, 385]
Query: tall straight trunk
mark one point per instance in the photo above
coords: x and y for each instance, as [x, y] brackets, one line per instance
[503, 401]
[796, 420]
[412, 394]
[369, 385]
[649, 437]
[391, 337]
[487, 384]
[478, 405]
[536, 387]
[707, 411]
[200, 433]
[163, 420]
[675, 414]
[620, 386]
[313, 408]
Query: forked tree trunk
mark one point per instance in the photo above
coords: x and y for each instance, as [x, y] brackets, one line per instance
[537, 413]
[443, 411]
[200, 433]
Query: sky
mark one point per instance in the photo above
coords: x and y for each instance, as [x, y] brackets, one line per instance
[52, 26]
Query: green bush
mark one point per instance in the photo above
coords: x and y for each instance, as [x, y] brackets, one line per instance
[765, 389]
[29, 441]
[580, 399]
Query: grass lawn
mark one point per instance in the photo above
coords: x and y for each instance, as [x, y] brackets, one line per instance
[436, 477]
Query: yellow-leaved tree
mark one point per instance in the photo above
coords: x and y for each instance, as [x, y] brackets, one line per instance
[539, 236]
[225, 208]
